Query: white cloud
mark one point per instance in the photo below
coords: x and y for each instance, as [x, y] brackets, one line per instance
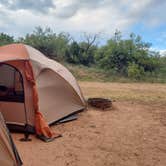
[38, 6]
[18, 17]
[163, 52]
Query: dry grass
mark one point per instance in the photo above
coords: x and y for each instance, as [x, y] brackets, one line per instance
[140, 92]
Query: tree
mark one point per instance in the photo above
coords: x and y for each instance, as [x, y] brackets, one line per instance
[51, 44]
[6, 39]
[87, 55]
[73, 55]
[87, 49]
[90, 40]
[118, 55]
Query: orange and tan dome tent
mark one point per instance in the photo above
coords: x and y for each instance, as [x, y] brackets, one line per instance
[8, 152]
[35, 90]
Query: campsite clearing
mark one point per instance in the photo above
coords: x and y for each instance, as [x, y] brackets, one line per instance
[133, 133]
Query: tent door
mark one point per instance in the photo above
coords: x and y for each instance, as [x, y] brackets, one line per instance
[12, 103]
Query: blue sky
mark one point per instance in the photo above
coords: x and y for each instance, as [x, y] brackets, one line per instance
[155, 35]
[144, 17]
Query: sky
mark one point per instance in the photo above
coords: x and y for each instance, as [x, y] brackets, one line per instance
[144, 17]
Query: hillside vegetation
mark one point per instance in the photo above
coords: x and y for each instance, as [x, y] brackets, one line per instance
[83, 73]
[120, 59]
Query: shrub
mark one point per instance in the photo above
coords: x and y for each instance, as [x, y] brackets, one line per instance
[135, 71]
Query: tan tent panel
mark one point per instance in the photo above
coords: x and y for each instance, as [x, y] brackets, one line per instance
[41, 62]
[34, 88]
[8, 153]
[56, 84]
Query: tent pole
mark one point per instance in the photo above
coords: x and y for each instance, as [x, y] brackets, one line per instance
[26, 133]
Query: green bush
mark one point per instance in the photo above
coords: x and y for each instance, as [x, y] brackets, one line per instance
[5, 39]
[135, 71]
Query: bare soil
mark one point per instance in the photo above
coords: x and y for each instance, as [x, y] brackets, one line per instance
[133, 133]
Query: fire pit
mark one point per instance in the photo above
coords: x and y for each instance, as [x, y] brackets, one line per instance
[100, 103]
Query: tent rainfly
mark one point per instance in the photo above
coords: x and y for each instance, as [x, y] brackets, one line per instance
[35, 91]
[8, 152]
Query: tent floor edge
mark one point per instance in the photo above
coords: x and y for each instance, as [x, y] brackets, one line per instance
[60, 120]
[21, 128]
[45, 139]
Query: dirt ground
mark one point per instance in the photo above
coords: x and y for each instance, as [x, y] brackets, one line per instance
[133, 133]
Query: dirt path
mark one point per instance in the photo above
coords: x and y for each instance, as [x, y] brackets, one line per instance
[132, 134]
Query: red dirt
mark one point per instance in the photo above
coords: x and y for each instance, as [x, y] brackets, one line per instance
[132, 134]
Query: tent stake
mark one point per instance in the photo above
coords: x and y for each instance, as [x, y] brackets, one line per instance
[26, 135]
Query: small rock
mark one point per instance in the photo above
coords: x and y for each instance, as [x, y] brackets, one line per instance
[136, 154]
[93, 126]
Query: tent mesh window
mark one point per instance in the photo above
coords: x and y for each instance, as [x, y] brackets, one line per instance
[11, 84]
